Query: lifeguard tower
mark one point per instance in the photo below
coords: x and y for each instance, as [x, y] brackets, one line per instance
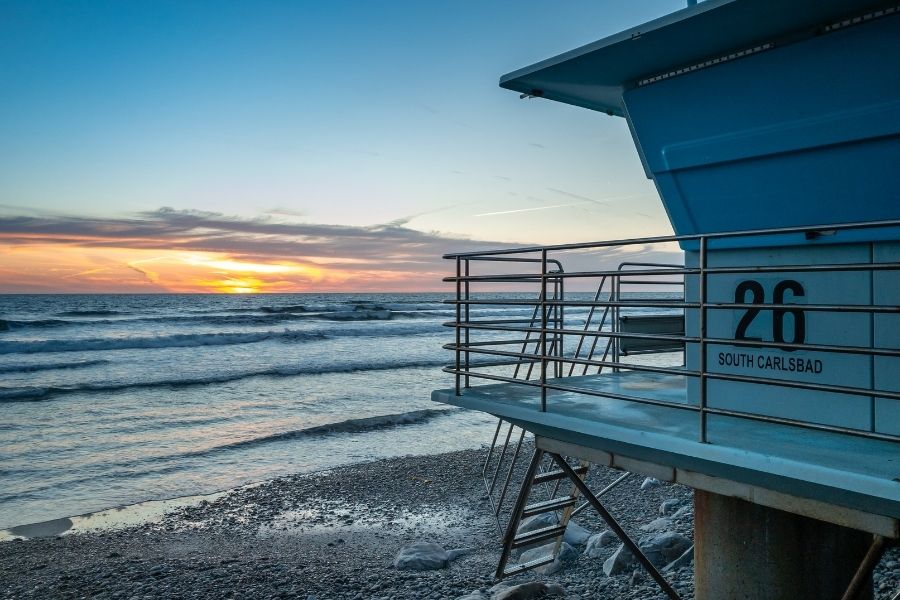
[761, 364]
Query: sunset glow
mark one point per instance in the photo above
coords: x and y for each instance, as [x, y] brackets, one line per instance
[125, 270]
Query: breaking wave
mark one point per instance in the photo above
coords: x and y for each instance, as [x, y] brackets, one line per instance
[35, 367]
[38, 393]
[179, 340]
[89, 313]
[361, 425]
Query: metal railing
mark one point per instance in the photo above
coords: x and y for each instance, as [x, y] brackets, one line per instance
[604, 284]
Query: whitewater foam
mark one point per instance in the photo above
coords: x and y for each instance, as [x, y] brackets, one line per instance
[178, 340]
[38, 393]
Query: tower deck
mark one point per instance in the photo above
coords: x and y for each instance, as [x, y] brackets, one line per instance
[746, 456]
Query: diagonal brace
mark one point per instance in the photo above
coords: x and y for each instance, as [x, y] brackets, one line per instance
[616, 528]
[868, 564]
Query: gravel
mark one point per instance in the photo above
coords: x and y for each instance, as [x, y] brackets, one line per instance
[335, 535]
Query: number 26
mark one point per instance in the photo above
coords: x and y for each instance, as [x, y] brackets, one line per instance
[758, 296]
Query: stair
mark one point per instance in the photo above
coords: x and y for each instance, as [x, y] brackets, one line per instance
[562, 506]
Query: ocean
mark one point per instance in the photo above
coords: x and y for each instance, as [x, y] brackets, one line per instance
[109, 400]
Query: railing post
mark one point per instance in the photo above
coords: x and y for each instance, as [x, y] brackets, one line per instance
[466, 310]
[458, 319]
[614, 326]
[703, 301]
[544, 330]
[560, 323]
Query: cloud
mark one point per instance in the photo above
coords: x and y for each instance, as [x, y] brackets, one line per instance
[389, 245]
[189, 250]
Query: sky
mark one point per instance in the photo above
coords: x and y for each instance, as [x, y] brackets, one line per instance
[276, 146]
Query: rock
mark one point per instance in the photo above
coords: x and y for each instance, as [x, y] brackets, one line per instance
[669, 506]
[537, 522]
[660, 524]
[636, 577]
[567, 554]
[650, 483]
[527, 591]
[620, 562]
[663, 548]
[576, 535]
[599, 544]
[456, 553]
[685, 560]
[422, 556]
[684, 511]
[473, 596]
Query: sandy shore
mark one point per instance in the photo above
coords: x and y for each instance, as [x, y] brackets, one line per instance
[333, 535]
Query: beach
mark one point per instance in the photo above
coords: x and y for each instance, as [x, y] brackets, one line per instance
[335, 534]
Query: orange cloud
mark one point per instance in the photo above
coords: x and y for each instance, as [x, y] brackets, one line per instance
[190, 251]
[70, 267]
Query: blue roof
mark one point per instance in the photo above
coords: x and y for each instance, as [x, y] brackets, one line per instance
[596, 75]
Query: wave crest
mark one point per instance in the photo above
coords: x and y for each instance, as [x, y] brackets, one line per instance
[38, 393]
[178, 340]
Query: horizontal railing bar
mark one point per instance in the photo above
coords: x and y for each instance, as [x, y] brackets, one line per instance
[569, 275]
[523, 355]
[511, 278]
[653, 282]
[855, 308]
[559, 331]
[496, 301]
[680, 238]
[501, 342]
[578, 361]
[774, 381]
[861, 350]
[649, 303]
[829, 268]
[663, 303]
[803, 385]
[502, 321]
[886, 437]
[503, 363]
[588, 392]
[514, 259]
[476, 374]
[892, 266]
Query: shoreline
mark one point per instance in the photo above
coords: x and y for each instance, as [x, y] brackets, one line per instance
[334, 533]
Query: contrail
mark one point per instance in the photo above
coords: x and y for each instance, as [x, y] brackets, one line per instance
[518, 210]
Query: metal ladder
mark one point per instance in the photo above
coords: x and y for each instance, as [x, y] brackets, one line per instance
[575, 475]
[513, 540]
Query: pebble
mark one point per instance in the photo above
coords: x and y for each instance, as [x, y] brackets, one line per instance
[271, 541]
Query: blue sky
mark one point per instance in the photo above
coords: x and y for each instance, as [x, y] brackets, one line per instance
[349, 114]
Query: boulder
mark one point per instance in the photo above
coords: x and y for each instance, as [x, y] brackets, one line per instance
[663, 548]
[660, 524]
[650, 483]
[599, 545]
[576, 535]
[683, 512]
[566, 554]
[669, 506]
[528, 591]
[422, 556]
[537, 522]
[685, 560]
[473, 596]
[620, 562]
